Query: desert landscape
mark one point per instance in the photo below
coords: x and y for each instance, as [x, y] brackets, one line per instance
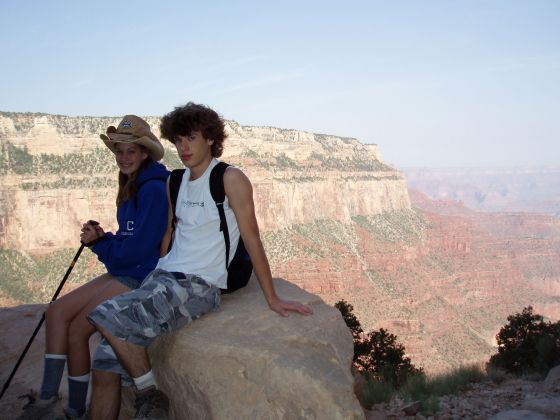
[335, 220]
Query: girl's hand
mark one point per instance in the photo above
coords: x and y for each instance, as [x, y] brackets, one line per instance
[91, 231]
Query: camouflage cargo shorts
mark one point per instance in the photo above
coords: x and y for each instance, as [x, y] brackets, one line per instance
[163, 303]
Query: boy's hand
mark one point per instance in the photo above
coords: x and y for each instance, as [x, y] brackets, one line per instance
[282, 307]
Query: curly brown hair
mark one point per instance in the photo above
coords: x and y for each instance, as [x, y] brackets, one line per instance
[183, 120]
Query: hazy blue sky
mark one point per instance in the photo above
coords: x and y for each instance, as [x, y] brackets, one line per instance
[434, 83]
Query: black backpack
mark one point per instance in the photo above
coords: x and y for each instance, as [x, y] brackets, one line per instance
[240, 268]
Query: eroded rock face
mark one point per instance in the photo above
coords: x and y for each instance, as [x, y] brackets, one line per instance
[247, 362]
[55, 173]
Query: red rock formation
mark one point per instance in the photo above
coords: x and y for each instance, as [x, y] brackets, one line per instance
[446, 293]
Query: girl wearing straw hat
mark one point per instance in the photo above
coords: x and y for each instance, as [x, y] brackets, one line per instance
[128, 255]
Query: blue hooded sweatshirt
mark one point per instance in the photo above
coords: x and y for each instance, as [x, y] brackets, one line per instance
[135, 249]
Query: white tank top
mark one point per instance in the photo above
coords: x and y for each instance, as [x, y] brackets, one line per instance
[199, 247]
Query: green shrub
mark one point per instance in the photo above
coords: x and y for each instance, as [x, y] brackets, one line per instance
[527, 344]
[284, 161]
[381, 357]
[20, 160]
[377, 354]
[349, 318]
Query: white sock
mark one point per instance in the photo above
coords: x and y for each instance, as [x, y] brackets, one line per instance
[55, 356]
[83, 378]
[145, 381]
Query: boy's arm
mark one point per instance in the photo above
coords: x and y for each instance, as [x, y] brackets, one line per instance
[240, 197]
[167, 237]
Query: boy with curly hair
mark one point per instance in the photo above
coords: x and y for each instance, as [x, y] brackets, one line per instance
[172, 296]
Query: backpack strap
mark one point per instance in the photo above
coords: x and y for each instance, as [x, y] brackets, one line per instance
[218, 193]
[157, 178]
[175, 180]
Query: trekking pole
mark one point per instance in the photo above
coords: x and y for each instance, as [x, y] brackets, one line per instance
[60, 286]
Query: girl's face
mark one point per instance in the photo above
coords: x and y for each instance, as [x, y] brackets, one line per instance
[129, 157]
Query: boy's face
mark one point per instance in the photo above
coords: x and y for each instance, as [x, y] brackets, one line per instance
[193, 149]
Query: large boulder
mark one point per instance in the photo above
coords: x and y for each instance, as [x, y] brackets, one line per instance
[247, 362]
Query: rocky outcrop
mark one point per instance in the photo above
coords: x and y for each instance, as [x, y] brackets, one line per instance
[512, 399]
[17, 325]
[247, 362]
[243, 362]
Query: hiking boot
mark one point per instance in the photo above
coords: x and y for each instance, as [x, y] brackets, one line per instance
[37, 409]
[151, 405]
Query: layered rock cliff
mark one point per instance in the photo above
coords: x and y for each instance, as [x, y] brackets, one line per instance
[55, 173]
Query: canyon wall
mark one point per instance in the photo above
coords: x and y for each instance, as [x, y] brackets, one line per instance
[55, 173]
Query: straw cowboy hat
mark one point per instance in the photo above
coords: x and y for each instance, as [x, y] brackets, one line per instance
[133, 129]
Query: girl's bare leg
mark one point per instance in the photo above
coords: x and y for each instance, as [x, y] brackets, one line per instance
[61, 312]
[80, 330]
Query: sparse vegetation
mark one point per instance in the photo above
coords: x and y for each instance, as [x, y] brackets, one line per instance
[394, 226]
[358, 162]
[20, 161]
[528, 346]
[319, 239]
[171, 160]
[73, 182]
[297, 179]
[428, 390]
[249, 153]
[34, 280]
[385, 371]
[326, 238]
[285, 162]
